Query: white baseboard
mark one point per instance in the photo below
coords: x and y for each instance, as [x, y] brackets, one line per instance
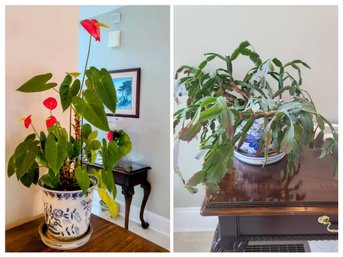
[188, 219]
[156, 222]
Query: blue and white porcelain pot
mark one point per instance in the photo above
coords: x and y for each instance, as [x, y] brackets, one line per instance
[248, 151]
[67, 213]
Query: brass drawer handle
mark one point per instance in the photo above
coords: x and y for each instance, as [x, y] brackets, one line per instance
[325, 220]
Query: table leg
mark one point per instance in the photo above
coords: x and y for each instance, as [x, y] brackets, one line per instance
[128, 192]
[231, 244]
[147, 188]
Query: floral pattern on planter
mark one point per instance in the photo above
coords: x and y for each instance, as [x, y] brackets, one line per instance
[67, 214]
[254, 135]
[55, 217]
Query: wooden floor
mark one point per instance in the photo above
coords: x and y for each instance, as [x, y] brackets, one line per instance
[106, 237]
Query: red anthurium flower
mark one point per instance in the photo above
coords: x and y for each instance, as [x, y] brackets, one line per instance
[50, 121]
[92, 28]
[50, 103]
[110, 136]
[27, 121]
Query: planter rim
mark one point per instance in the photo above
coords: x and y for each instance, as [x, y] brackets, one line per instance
[95, 180]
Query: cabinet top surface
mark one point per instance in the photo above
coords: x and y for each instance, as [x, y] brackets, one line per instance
[311, 184]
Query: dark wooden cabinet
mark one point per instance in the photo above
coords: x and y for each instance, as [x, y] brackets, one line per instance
[255, 203]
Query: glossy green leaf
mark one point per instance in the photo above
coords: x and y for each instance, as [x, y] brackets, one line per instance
[210, 113]
[51, 180]
[10, 167]
[31, 177]
[55, 152]
[94, 145]
[38, 83]
[277, 62]
[91, 109]
[68, 91]
[74, 149]
[82, 178]
[24, 157]
[107, 178]
[104, 87]
[86, 130]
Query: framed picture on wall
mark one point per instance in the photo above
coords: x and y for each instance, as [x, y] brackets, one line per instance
[127, 84]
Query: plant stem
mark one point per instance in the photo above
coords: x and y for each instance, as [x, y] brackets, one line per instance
[84, 71]
[256, 115]
[35, 131]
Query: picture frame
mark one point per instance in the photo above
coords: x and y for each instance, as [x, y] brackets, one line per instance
[127, 85]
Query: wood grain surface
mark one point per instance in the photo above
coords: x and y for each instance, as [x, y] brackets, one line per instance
[106, 237]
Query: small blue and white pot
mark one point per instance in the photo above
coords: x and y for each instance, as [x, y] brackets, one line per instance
[248, 151]
[67, 213]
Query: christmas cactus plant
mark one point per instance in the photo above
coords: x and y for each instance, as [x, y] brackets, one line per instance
[221, 109]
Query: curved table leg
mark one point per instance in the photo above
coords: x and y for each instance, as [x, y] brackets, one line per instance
[128, 192]
[147, 188]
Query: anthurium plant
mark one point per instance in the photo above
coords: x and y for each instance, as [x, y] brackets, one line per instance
[62, 152]
[221, 109]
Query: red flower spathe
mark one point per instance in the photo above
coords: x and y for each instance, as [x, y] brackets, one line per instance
[50, 103]
[110, 136]
[92, 27]
[27, 121]
[50, 121]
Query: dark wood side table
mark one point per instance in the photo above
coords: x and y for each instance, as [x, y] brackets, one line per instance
[255, 203]
[128, 175]
[106, 237]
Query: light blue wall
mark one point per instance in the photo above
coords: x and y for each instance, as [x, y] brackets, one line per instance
[144, 44]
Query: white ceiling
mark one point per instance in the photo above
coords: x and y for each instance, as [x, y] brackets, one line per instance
[89, 11]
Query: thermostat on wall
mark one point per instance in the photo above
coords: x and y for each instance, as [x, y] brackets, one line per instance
[115, 18]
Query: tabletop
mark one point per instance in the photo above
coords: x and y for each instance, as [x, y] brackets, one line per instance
[106, 237]
[249, 189]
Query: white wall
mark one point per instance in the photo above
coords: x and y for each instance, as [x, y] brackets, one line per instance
[287, 32]
[144, 44]
[38, 41]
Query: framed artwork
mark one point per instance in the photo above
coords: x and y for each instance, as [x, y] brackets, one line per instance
[127, 84]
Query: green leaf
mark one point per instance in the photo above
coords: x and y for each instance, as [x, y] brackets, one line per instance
[202, 64]
[86, 131]
[107, 178]
[67, 92]
[94, 145]
[24, 157]
[55, 152]
[82, 178]
[212, 55]
[31, 176]
[245, 130]
[209, 113]
[91, 109]
[10, 167]
[288, 143]
[277, 62]
[196, 179]
[50, 179]
[104, 87]
[93, 135]
[37, 84]
[74, 149]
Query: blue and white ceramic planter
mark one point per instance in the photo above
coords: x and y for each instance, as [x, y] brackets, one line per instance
[248, 150]
[67, 213]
